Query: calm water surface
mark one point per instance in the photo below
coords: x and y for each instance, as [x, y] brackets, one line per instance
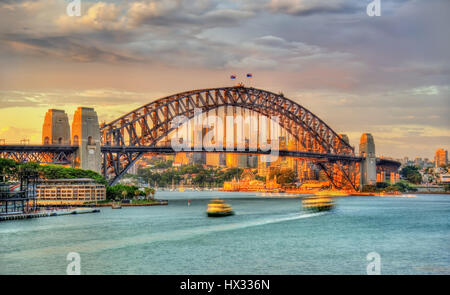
[268, 235]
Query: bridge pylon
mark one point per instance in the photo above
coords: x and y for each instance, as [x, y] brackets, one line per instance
[86, 135]
[369, 163]
[56, 129]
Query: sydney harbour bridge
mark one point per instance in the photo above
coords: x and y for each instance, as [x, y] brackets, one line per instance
[112, 148]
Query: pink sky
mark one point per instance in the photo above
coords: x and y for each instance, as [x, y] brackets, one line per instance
[387, 75]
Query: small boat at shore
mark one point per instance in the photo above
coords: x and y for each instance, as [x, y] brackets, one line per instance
[318, 204]
[218, 208]
[116, 205]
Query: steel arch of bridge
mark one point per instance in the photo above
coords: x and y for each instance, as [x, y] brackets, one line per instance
[154, 122]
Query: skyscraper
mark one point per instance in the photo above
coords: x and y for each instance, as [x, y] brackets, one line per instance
[440, 158]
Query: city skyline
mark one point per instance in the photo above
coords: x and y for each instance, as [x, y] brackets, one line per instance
[119, 55]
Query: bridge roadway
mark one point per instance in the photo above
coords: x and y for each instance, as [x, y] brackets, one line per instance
[70, 149]
[67, 150]
[283, 153]
[49, 154]
[38, 148]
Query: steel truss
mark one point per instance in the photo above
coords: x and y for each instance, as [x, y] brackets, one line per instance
[148, 125]
[51, 154]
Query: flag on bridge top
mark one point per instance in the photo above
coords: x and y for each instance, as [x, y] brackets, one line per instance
[249, 75]
[233, 77]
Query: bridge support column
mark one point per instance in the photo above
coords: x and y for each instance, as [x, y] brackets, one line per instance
[368, 167]
[86, 134]
[56, 129]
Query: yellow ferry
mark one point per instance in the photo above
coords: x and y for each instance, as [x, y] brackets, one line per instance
[318, 204]
[332, 193]
[218, 208]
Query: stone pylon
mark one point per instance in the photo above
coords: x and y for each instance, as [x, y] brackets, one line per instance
[86, 134]
[369, 164]
[56, 129]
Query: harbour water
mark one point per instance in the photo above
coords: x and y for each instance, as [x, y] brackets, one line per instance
[268, 235]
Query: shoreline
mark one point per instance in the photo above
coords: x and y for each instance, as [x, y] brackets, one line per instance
[427, 193]
[156, 203]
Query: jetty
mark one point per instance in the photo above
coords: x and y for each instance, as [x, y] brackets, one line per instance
[19, 216]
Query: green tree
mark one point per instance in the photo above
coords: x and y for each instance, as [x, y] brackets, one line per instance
[152, 192]
[284, 176]
[447, 187]
[369, 188]
[411, 174]
[404, 186]
[7, 169]
[381, 185]
[121, 191]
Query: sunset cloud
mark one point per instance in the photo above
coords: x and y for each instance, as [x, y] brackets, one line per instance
[388, 75]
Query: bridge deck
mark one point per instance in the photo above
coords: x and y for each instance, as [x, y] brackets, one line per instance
[170, 150]
[283, 153]
[38, 148]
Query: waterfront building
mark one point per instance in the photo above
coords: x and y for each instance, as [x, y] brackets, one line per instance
[19, 197]
[249, 183]
[69, 192]
[13, 201]
[440, 158]
[181, 159]
[169, 157]
[445, 178]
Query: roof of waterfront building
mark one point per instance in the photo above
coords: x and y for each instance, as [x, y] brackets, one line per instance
[68, 180]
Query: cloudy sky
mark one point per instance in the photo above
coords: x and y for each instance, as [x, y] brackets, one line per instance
[388, 75]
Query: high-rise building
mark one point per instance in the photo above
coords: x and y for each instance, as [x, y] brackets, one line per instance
[252, 161]
[236, 160]
[262, 166]
[440, 158]
[418, 162]
[215, 159]
[199, 158]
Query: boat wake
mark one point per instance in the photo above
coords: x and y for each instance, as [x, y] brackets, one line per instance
[182, 234]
